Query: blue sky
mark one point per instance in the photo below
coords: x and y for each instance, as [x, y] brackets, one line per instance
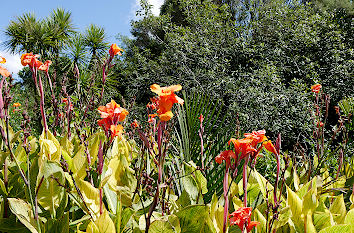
[114, 15]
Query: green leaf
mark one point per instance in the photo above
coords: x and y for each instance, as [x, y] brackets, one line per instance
[2, 186]
[195, 218]
[24, 213]
[122, 179]
[163, 225]
[103, 224]
[309, 227]
[258, 216]
[337, 229]
[11, 225]
[91, 196]
[284, 217]
[310, 198]
[349, 218]
[295, 203]
[80, 163]
[50, 193]
[322, 220]
[338, 209]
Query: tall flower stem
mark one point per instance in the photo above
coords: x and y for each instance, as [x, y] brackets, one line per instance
[160, 131]
[245, 181]
[45, 126]
[277, 180]
[226, 198]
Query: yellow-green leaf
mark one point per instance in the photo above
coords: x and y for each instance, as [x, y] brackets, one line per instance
[343, 228]
[103, 224]
[338, 209]
[24, 213]
[349, 218]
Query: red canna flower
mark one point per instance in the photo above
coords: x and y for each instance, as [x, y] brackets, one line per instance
[316, 88]
[243, 147]
[166, 99]
[242, 217]
[225, 156]
[114, 50]
[320, 124]
[201, 118]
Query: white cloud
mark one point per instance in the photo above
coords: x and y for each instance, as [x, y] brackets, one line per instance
[156, 5]
[13, 62]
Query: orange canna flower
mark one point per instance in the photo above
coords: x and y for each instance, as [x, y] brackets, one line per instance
[31, 60]
[113, 110]
[16, 105]
[166, 99]
[114, 50]
[316, 88]
[242, 216]
[4, 72]
[243, 147]
[2, 60]
[116, 130]
[45, 66]
[225, 156]
[135, 124]
[152, 118]
[268, 145]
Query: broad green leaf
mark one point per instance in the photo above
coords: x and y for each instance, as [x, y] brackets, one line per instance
[103, 224]
[91, 196]
[49, 147]
[67, 145]
[338, 209]
[68, 159]
[309, 227]
[343, 228]
[80, 163]
[322, 220]
[349, 218]
[295, 203]
[93, 144]
[310, 198]
[284, 217]
[258, 216]
[304, 189]
[50, 193]
[11, 225]
[60, 225]
[191, 187]
[195, 219]
[262, 182]
[164, 225]
[24, 213]
[127, 213]
[122, 179]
